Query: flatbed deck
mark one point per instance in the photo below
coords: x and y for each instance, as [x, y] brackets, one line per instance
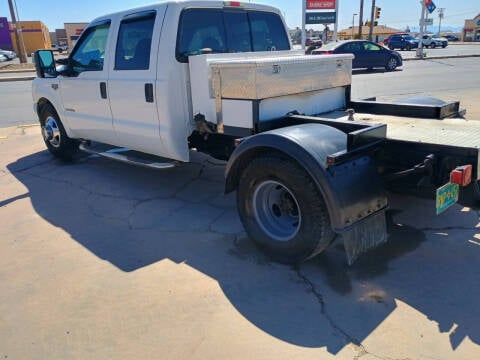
[449, 132]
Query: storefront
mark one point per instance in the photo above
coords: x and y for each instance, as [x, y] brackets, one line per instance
[471, 31]
[35, 36]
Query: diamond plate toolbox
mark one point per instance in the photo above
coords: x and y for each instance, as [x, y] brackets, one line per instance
[266, 77]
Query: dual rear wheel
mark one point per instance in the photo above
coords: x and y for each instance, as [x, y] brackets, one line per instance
[282, 210]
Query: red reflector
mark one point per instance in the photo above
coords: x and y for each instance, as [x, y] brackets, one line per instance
[462, 175]
[232, 3]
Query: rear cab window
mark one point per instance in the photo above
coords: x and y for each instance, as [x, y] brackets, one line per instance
[229, 31]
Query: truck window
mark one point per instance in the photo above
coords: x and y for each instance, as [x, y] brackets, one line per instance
[89, 53]
[229, 31]
[134, 42]
[268, 32]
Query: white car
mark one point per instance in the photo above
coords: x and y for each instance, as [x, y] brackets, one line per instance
[3, 58]
[10, 55]
[433, 42]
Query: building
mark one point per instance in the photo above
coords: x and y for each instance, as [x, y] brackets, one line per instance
[380, 32]
[73, 32]
[471, 30]
[5, 38]
[35, 36]
[61, 35]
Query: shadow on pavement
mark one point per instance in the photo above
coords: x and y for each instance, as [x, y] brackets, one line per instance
[133, 217]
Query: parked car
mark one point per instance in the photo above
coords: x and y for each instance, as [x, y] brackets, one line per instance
[387, 39]
[433, 42]
[3, 58]
[402, 42]
[367, 54]
[59, 48]
[10, 55]
[451, 37]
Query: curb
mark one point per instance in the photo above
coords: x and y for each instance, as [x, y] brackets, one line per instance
[16, 78]
[442, 57]
[9, 71]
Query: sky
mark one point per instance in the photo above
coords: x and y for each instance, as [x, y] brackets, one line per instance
[395, 13]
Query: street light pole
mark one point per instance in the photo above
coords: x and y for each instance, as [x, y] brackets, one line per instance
[353, 23]
[18, 40]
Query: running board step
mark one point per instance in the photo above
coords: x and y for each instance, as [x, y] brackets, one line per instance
[127, 156]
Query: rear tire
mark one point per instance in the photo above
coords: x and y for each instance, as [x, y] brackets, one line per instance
[408, 48]
[282, 209]
[433, 45]
[55, 136]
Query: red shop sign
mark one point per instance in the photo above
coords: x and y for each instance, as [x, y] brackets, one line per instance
[320, 4]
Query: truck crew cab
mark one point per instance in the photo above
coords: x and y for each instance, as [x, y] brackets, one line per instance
[149, 85]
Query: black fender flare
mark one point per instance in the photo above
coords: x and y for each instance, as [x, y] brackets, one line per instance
[352, 190]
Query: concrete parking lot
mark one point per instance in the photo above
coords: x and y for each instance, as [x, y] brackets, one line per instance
[102, 260]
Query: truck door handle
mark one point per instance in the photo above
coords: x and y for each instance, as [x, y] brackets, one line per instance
[149, 93]
[103, 90]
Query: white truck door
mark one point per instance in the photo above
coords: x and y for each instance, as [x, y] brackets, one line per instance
[86, 107]
[132, 79]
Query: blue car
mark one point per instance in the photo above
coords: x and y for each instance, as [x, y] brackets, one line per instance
[402, 42]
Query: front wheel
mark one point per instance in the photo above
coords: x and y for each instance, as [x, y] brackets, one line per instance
[55, 136]
[391, 47]
[391, 64]
[282, 210]
[408, 48]
[433, 45]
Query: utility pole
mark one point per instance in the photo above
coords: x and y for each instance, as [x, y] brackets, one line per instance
[18, 40]
[422, 22]
[440, 17]
[360, 20]
[304, 14]
[370, 32]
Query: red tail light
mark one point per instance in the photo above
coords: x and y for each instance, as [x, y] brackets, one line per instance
[232, 3]
[462, 175]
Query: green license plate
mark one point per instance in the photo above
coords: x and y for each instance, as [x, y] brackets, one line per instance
[447, 195]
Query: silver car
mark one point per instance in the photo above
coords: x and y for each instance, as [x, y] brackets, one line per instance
[10, 55]
[3, 58]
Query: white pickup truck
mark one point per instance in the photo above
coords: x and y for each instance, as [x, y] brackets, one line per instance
[147, 86]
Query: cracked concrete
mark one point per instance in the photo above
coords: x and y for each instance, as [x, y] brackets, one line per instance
[104, 260]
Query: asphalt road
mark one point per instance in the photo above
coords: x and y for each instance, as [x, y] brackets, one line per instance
[448, 79]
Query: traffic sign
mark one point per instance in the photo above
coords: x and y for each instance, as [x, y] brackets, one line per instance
[430, 6]
[320, 17]
[427, 22]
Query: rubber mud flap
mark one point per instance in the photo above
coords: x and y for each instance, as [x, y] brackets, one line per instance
[367, 234]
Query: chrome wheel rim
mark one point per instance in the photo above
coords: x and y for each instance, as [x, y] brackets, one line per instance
[51, 132]
[276, 210]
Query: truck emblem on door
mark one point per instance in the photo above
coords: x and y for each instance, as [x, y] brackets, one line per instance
[276, 69]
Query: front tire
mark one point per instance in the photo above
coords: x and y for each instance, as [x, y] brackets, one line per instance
[391, 64]
[282, 210]
[433, 45]
[55, 136]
